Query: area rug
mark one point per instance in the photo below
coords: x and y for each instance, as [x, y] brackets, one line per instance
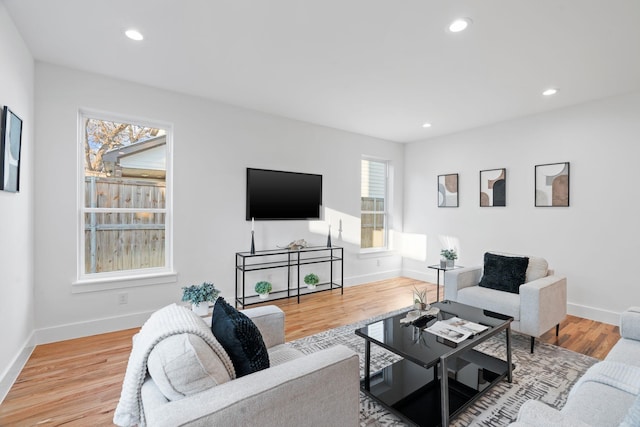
[547, 375]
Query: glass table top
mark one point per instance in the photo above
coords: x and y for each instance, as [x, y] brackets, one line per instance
[422, 347]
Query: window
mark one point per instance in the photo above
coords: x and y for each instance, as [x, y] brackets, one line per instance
[124, 198]
[373, 204]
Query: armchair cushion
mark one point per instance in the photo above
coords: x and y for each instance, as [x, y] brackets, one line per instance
[504, 273]
[240, 338]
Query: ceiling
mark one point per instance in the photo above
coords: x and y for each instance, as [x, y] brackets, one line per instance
[375, 67]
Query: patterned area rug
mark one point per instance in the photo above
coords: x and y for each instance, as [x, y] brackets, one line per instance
[547, 375]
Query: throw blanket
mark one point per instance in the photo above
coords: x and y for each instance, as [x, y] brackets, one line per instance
[170, 320]
[615, 374]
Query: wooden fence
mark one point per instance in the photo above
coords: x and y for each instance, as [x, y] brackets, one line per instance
[116, 241]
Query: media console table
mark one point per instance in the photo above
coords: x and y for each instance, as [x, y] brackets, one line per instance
[285, 258]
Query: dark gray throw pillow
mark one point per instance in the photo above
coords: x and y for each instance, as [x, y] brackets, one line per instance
[240, 338]
[504, 273]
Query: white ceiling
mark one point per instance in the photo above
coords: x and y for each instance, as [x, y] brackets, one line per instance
[375, 67]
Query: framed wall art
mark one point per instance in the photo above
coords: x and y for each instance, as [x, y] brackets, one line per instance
[552, 185]
[10, 141]
[493, 187]
[448, 191]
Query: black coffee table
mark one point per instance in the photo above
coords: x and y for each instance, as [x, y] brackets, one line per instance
[436, 379]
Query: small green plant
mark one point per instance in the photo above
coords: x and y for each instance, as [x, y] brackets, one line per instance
[419, 295]
[200, 293]
[449, 254]
[311, 279]
[263, 287]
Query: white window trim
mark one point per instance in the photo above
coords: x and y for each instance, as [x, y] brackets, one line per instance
[386, 248]
[127, 278]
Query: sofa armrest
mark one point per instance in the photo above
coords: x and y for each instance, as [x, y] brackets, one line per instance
[454, 280]
[543, 304]
[630, 323]
[270, 321]
[321, 388]
[535, 413]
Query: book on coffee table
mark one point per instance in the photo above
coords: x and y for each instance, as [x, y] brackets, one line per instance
[456, 329]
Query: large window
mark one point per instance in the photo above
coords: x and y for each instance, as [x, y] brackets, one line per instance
[373, 205]
[123, 198]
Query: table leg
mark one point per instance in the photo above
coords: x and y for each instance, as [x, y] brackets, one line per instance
[367, 366]
[444, 392]
[509, 365]
[438, 286]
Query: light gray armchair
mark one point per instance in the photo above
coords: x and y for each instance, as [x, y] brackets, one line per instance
[540, 304]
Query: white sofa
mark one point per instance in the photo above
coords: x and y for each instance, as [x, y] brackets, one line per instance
[319, 389]
[607, 395]
[540, 305]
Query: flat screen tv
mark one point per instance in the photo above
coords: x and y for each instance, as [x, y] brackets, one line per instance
[279, 195]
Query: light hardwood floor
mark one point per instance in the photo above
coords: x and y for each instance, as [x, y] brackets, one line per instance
[77, 382]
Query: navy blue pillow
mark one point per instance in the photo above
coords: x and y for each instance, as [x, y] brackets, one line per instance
[240, 338]
[504, 273]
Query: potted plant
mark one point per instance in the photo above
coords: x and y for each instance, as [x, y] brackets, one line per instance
[420, 298]
[263, 288]
[449, 257]
[199, 296]
[311, 280]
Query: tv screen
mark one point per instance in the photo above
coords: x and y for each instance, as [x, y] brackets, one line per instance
[279, 195]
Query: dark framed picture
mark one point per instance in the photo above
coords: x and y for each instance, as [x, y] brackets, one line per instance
[552, 185]
[10, 141]
[448, 191]
[493, 187]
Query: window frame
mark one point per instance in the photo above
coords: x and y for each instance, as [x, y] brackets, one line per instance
[131, 277]
[385, 212]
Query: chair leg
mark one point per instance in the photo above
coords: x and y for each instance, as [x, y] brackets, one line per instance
[558, 329]
[533, 341]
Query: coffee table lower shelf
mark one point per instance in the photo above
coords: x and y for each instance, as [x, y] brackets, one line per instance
[412, 392]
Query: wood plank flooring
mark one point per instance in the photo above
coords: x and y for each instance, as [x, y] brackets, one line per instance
[77, 382]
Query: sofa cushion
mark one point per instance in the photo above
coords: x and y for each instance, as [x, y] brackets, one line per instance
[625, 351]
[184, 364]
[283, 353]
[598, 405]
[504, 273]
[633, 415]
[240, 338]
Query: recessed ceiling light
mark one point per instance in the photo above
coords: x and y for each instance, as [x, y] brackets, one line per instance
[134, 35]
[460, 24]
[550, 91]
[426, 125]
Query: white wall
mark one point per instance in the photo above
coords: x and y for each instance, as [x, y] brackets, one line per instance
[595, 242]
[213, 146]
[16, 211]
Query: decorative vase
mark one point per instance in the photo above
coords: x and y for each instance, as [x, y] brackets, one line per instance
[263, 296]
[420, 306]
[311, 286]
[451, 263]
[201, 309]
[443, 263]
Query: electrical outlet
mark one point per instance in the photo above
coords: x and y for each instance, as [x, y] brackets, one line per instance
[123, 298]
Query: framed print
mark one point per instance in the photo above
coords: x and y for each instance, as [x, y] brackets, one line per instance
[10, 140]
[552, 185]
[448, 191]
[493, 187]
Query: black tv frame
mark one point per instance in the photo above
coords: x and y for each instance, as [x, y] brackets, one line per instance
[287, 203]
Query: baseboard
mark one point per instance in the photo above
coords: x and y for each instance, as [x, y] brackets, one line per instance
[10, 375]
[425, 276]
[373, 277]
[593, 313]
[91, 327]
